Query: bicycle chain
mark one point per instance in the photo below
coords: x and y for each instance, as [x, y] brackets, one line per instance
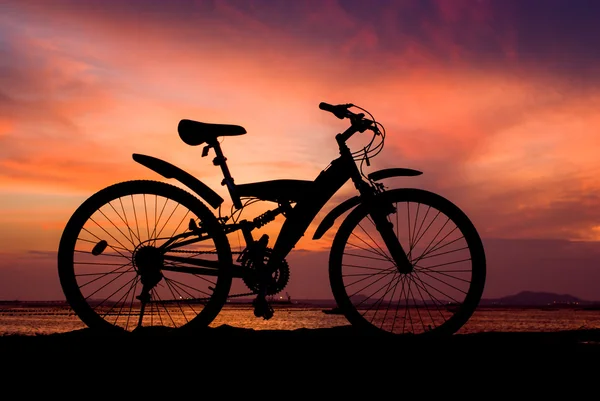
[199, 252]
[213, 252]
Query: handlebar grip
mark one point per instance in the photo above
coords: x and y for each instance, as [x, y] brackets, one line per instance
[327, 107]
[340, 110]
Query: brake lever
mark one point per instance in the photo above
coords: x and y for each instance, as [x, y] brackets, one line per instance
[363, 124]
[356, 118]
[343, 112]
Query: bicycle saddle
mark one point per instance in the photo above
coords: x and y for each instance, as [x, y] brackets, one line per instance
[196, 133]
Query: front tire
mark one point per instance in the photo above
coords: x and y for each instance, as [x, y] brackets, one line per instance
[449, 268]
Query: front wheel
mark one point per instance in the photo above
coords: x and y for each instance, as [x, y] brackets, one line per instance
[118, 273]
[442, 289]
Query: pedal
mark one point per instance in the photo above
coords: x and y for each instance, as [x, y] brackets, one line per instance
[144, 297]
[262, 308]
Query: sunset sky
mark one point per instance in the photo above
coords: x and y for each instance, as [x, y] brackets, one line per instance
[496, 101]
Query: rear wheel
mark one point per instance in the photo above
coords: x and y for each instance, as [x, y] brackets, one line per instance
[115, 273]
[445, 284]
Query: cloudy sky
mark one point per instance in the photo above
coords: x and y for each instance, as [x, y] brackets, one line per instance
[496, 101]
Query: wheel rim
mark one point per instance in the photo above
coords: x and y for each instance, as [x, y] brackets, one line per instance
[114, 248]
[446, 283]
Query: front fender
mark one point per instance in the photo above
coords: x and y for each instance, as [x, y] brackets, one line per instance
[168, 170]
[348, 204]
[393, 172]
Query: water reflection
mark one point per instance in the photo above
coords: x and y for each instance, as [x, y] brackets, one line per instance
[26, 321]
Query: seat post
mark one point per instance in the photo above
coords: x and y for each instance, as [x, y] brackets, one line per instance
[221, 161]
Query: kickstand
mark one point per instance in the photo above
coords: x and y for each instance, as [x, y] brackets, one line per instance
[144, 297]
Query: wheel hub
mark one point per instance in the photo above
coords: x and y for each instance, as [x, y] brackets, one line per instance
[405, 268]
[148, 262]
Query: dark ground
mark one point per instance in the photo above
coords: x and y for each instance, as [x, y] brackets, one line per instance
[309, 342]
[332, 363]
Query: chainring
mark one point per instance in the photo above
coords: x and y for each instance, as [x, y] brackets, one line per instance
[279, 280]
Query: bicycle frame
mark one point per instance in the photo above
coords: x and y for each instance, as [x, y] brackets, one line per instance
[325, 185]
[309, 198]
[126, 259]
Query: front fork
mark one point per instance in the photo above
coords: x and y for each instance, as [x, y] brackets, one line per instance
[379, 213]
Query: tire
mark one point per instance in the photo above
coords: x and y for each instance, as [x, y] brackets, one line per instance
[442, 292]
[103, 280]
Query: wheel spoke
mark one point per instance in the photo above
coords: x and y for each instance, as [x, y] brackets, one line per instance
[112, 266]
[446, 283]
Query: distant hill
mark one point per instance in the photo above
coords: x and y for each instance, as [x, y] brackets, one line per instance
[523, 298]
[532, 298]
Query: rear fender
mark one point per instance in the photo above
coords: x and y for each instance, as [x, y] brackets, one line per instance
[168, 170]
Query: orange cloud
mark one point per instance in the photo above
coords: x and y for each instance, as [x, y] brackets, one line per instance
[479, 132]
[470, 93]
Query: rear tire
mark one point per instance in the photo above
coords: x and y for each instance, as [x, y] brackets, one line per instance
[110, 247]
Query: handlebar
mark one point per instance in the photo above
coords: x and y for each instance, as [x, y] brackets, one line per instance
[341, 111]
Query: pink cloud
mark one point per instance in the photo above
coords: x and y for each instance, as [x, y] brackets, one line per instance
[513, 142]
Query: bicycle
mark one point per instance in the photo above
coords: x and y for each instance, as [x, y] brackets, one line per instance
[121, 268]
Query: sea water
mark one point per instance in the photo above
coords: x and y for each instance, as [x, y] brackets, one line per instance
[50, 320]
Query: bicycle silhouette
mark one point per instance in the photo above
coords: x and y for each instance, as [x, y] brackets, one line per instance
[147, 253]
